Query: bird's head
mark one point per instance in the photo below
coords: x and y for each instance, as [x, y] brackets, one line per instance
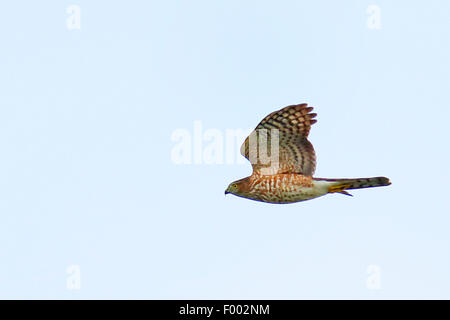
[239, 188]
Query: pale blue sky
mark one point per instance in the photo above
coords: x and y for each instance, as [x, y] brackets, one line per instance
[86, 176]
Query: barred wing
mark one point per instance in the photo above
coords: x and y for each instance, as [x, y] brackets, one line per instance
[279, 142]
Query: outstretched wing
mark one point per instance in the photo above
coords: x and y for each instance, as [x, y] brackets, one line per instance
[279, 143]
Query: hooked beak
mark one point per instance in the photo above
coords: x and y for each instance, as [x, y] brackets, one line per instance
[226, 192]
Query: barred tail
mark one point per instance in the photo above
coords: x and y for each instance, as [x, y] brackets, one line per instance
[340, 185]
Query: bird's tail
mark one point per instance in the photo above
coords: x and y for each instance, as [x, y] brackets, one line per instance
[340, 185]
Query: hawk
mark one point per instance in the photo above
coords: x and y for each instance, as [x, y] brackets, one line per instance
[284, 161]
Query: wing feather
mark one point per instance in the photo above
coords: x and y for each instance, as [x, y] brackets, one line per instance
[288, 129]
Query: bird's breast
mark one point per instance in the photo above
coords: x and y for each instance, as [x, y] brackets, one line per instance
[282, 188]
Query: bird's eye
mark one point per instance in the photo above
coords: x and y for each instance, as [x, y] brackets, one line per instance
[235, 186]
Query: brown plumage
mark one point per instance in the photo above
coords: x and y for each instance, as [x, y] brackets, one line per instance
[284, 161]
[296, 153]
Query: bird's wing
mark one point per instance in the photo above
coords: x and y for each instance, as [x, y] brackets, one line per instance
[288, 129]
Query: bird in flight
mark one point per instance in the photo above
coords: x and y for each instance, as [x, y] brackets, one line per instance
[284, 161]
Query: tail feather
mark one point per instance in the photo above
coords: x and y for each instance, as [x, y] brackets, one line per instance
[346, 193]
[340, 185]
